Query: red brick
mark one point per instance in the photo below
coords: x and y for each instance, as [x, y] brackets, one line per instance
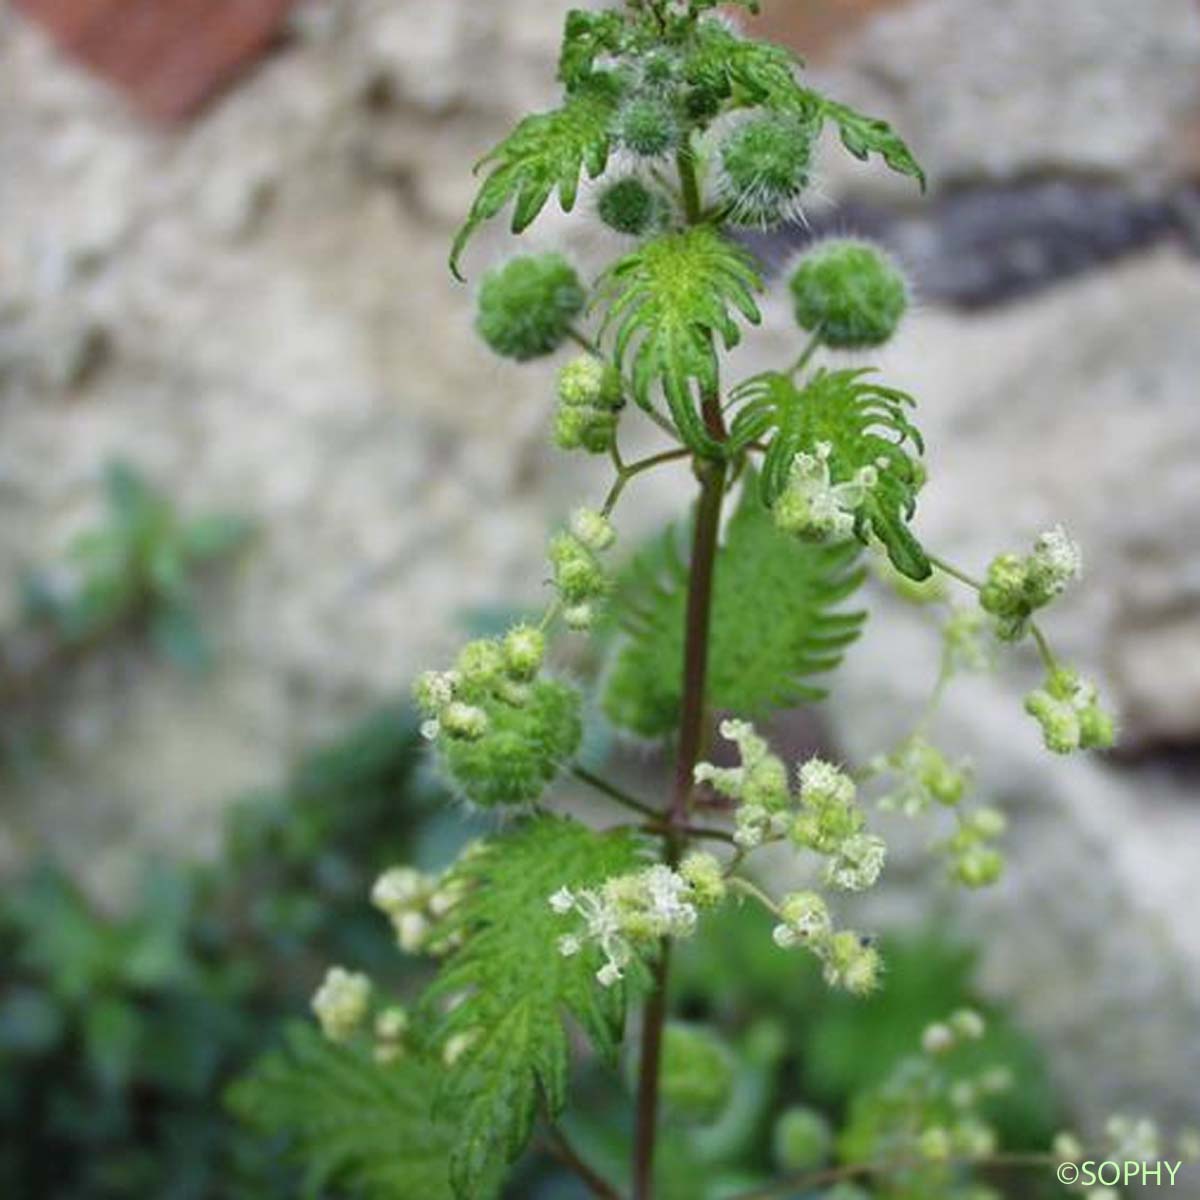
[168, 56]
[816, 27]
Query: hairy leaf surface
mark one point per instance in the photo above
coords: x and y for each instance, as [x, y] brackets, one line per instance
[863, 136]
[666, 302]
[546, 152]
[866, 425]
[354, 1123]
[516, 988]
[776, 622]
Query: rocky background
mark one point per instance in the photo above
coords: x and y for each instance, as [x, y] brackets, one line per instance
[254, 309]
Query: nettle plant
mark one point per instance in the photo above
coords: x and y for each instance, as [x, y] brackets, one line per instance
[689, 133]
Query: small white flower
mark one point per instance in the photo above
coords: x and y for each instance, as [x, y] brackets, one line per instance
[340, 1003]
[815, 508]
[1057, 558]
[569, 945]
[608, 975]
[593, 529]
[563, 901]
[412, 930]
[858, 863]
[398, 888]
[938, 1039]
[431, 729]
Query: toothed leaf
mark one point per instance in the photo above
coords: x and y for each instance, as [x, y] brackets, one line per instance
[776, 622]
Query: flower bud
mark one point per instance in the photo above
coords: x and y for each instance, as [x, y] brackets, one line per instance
[968, 1024]
[464, 721]
[853, 963]
[433, 690]
[593, 529]
[524, 648]
[589, 382]
[479, 667]
[705, 877]
[340, 1003]
[850, 293]
[579, 617]
[766, 161]
[526, 307]
[590, 429]
[938, 1038]
[577, 574]
[978, 867]
[628, 206]
[647, 127]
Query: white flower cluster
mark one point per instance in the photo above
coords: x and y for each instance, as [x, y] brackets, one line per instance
[1069, 712]
[966, 1025]
[340, 1003]
[391, 1026]
[849, 959]
[825, 815]
[415, 902]
[760, 783]
[630, 911]
[1056, 563]
[453, 700]
[813, 507]
[923, 776]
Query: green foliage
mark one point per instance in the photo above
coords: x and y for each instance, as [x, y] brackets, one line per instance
[775, 623]
[665, 303]
[526, 307]
[137, 567]
[519, 988]
[118, 1034]
[747, 74]
[863, 136]
[354, 1123]
[523, 748]
[546, 152]
[865, 424]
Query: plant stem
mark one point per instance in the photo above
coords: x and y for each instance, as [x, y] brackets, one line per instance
[613, 792]
[691, 734]
[558, 1145]
[692, 205]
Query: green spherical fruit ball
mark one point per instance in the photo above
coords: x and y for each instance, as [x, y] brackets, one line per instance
[802, 1140]
[850, 292]
[526, 306]
[629, 207]
[765, 165]
[648, 127]
[523, 749]
[697, 1072]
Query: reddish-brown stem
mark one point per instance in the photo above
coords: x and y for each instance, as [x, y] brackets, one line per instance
[691, 736]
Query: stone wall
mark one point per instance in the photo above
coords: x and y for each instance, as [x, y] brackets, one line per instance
[255, 310]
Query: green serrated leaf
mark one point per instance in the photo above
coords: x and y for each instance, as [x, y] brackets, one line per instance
[863, 136]
[666, 303]
[355, 1124]
[546, 152]
[775, 623]
[748, 73]
[586, 36]
[518, 989]
[864, 423]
